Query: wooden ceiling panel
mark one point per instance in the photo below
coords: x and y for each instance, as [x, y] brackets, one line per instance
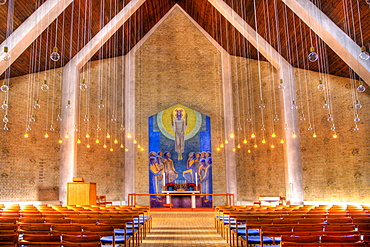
[275, 22]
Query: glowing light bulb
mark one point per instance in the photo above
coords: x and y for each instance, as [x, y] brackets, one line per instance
[78, 141]
[245, 141]
[139, 146]
[46, 135]
[111, 149]
[335, 135]
[330, 118]
[86, 118]
[5, 56]
[88, 146]
[126, 149]
[361, 88]
[294, 135]
[129, 135]
[314, 135]
[115, 141]
[55, 56]
[303, 118]
[52, 128]
[234, 149]
[321, 86]
[68, 105]
[108, 135]
[121, 146]
[239, 146]
[5, 119]
[134, 141]
[222, 145]
[66, 136]
[97, 141]
[358, 105]
[218, 149]
[356, 128]
[249, 151]
[105, 146]
[255, 146]
[281, 85]
[364, 55]
[60, 141]
[294, 106]
[101, 105]
[87, 135]
[312, 56]
[282, 141]
[36, 105]
[272, 146]
[273, 135]
[26, 135]
[4, 87]
[357, 119]
[83, 85]
[310, 127]
[253, 135]
[113, 118]
[263, 141]
[44, 86]
[226, 141]
[98, 128]
[232, 135]
[262, 105]
[141, 149]
[4, 106]
[276, 118]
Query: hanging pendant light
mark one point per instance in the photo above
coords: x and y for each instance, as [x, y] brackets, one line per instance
[358, 105]
[262, 105]
[5, 56]
[68, 105]
[326, 106]
[356, 128]
[5, 119]
[5, 87]
[249, 118]
[294, 106]
[312, 56]
[83, 85]
[36, 105]
[364, 55]
[281, 85]
[302, 118]
[52, 128]
[59, 117]
[357, 119]
[310, 127]
[361, 88]
[4, 106]
[330, 118]
[44, 86]
[86, 118]
[101, 105]
[113, 118]
[321, 86]
[6, 128]
[55, 56]
[33, 118]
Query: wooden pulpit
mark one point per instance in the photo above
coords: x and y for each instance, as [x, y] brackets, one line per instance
[81, 193]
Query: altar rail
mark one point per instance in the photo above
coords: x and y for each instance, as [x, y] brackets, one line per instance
[229, 198]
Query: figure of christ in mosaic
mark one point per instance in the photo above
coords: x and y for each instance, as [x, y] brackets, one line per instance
[169, 168]
[179, 126]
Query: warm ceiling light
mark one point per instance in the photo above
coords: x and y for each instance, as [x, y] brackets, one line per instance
[126, 149]
[66, 136]
[273, 135]
[234, 149]
[314, 135]
[111, 149]
[272, 146]
[263, 141]
[249, 151]
[226, 141]
[105, 146]
[46, 135]
[335, 135]
[255, 146]
[253, 135]
[88, 145]
[78, 141]
[97, 141]
[141, 149]
[87, 135]
[135, 141]
[108, 135]
[129, 135]
[218, 149]
[239, 146]
[222, 145]
[282, 141]
[294, 135]
[26, 135]
[121, 146]
[245, 141]
[232, 135]
[60, 141]
[115, 141]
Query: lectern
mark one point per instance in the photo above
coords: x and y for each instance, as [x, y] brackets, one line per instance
[81, 193]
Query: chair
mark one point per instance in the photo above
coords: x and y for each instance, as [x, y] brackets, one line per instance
[340, 230]
[66, 229]
[350, 240]
[9, 240]
[300, 240]
[271, 235]
[35, 229]
[107, 235]
[81, 240]
[102, 201]
[120, 229]
[40, 240]
[8, 229]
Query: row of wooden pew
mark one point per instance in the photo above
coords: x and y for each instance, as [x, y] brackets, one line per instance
[285, 225]
[85, 225]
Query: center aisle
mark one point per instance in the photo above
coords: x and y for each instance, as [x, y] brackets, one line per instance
[185, 229]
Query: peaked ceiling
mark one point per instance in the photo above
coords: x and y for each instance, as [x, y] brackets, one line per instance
[275, 22]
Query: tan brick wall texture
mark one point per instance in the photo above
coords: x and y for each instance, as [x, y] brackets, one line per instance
[177, 64]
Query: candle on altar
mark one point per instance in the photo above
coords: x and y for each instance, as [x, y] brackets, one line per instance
[164, 179]
[196, 180]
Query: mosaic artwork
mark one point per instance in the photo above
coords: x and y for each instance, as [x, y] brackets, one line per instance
[180, 158]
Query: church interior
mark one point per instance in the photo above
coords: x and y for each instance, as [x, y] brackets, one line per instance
[140, 114]
[281, 87]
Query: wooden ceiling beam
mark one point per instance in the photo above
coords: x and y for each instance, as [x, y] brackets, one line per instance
[30, 29]
[332, 35]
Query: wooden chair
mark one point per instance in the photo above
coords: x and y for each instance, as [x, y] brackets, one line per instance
[40, 240]
[350, 240]
[66, 229]
[102, 201]
[8, 229]
[271, 235]
[35, 229]
[8, 240]
[120, 229]
[340, 230]
[107, 235]
[81, 240]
